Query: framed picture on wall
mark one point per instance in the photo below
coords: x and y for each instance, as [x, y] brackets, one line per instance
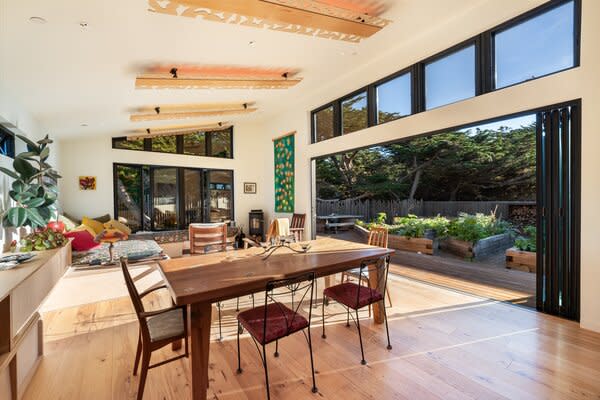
[250, 187]
[87, 183]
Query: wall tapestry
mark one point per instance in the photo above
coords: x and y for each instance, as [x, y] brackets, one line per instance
[284, 173]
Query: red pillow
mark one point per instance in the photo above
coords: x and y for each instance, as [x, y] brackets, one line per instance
[82, 240]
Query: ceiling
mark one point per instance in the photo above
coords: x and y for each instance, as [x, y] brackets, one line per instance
[66, 75]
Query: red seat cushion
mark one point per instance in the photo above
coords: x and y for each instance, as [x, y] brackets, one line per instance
[347, 293]
[82, 240]
[281, 321]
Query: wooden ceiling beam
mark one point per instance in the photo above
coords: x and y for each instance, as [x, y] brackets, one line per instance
[273, 11]
[176, 130]
[168, 82]
[165, 115]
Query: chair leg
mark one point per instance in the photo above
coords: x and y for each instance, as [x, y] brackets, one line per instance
[266, 372]
[239, 370]
[276, 354]
[138, 353]
[252, 300]
[312, 362]
[387, 329]
[144, 374]
[348, 317]
[237, 305]
[362, 351]
[323, 335]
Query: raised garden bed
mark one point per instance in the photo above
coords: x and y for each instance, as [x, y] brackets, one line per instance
[521, 260]
[479, 249]
[398, 242]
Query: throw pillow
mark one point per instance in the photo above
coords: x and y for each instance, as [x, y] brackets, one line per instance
[103, 218]
[114, 224]
[84, 228]
[96, 226]
[82, 240]
[77, 221]
[69, 223]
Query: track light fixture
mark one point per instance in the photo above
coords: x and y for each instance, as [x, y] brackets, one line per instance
[173, 72]
[148, 131]
[245, 106]
[285, 75]
[157, 109]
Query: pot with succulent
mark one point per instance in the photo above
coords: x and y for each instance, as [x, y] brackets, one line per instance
[34, 194]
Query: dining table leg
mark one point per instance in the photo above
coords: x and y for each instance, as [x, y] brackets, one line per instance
[200, 318]
[376, 281]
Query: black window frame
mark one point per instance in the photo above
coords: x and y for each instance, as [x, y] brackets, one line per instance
[180, 206]
[528, 16]
[373, 105]
[484, 68]
[179, 145]
[364, 90]
[7, 142]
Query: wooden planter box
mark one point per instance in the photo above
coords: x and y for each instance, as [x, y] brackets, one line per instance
[479, 249]
[415, 245]
[521, 260]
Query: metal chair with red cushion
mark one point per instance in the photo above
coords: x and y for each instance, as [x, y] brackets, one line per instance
[275, 320]
[362, 294]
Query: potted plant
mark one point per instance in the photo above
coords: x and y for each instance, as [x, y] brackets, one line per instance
[34, 194]
[523, 256]
[479, 235]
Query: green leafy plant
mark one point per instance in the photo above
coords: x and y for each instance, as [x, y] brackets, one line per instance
[415, 227]
[472, 228]
[45, 239]
[527, 242]
[381, 218]
[35, 198]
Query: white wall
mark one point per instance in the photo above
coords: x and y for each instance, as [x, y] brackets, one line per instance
[95, 157]
[582, 82]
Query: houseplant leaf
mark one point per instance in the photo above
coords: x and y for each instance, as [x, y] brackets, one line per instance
[9, 172]
[16, 216]
[30, 144]
[36, 219]
[24, 168]
[35, 202]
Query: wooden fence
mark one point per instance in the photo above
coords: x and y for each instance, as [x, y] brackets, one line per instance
[369, 209]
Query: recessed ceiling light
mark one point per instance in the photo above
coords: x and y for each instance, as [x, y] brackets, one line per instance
[83, 25]
[251, 43]
[37, 20]
[84, 124]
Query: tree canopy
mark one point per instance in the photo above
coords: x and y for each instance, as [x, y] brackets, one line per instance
[470, 165]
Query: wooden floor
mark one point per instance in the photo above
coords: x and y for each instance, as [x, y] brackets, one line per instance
[446, 345]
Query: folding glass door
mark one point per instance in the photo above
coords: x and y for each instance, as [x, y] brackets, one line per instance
[558, 182]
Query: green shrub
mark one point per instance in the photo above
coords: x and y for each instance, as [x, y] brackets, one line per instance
[381, 218]
[527, 242]
[416, 227]
[472, 228]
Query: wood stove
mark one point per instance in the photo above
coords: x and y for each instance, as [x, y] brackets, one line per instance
[256, 225]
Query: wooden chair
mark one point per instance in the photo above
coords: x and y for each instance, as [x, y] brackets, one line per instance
[205, 238]
[297, 226]
[378, 236]
[157, 328]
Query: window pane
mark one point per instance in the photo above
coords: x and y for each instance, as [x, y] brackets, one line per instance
[194, 144]
[123, 143]
[164, 144]
[129, 195]
[394, 99]
[193, 195]
[324, 124]
[450, 79]
[164, 198]
[354, 113]
[220, 143]
[220, 185]
[548, 47]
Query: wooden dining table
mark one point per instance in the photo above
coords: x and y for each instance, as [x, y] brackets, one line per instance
[199, 281]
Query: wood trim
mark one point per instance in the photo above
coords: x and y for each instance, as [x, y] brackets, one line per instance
[176, 130]
[284, 135]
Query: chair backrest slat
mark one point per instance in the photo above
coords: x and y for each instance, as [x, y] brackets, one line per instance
[202, 237]
[298, 221]
[378, 236]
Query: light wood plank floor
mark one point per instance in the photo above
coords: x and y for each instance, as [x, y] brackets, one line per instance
[447, 345]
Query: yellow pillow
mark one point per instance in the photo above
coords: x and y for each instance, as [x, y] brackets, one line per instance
[114, 224]
[84, 228]
[93, 224]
